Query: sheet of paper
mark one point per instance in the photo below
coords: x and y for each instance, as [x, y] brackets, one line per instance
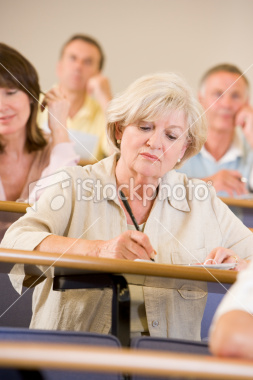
[85, 144]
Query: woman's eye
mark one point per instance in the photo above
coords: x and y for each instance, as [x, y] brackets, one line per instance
[145, 127]
[11, 92]
[172, 137]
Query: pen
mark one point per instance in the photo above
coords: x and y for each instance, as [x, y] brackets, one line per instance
[130, 212]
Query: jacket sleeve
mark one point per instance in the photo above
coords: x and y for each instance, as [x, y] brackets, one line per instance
[235, 235]
[49, 215]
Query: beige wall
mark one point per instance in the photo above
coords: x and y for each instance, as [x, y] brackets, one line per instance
[139, 36]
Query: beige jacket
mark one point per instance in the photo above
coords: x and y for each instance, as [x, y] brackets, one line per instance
[181, 231]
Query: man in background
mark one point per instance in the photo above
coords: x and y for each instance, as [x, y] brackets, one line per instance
[227, 156]
[88, 91]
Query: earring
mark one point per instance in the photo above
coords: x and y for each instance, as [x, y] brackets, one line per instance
[179, 160]
[118, 141]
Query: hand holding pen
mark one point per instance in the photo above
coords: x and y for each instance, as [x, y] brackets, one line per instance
[129, 210]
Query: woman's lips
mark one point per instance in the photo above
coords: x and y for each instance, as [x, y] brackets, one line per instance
[6, 118]
[150, 157]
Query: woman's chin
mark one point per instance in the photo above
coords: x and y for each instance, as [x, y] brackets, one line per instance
[148, 171]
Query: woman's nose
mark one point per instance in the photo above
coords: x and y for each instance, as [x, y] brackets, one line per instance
[155, 141]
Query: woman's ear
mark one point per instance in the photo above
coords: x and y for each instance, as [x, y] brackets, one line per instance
[118, 131]
[187, 143]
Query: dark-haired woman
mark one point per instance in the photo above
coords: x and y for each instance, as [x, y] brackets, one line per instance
[26, 153]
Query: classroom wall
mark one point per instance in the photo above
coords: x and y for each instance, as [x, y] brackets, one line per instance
[138, 36]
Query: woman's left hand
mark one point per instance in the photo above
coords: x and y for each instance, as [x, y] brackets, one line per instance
[226, 256]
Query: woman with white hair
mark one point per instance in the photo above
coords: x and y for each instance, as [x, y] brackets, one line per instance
[154, 126]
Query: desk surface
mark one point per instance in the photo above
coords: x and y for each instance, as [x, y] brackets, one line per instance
[78, 264]
[13, 206]
[21, 207]
[244, 203]
[84, 162]
[106, 359]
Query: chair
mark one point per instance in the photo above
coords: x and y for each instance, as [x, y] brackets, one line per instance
[243, 208]
[15, 310]
[66, 337]
[248, 217]
[216, 292]
[9, 213]
[171, 345]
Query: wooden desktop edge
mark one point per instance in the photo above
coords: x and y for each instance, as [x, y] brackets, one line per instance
[84, 162]
[244, 203]
[21, 206]
[28, 355]
[10, 206]
[115, 266]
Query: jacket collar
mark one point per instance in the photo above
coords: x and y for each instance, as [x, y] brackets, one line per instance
[170, 184]
[172, 187]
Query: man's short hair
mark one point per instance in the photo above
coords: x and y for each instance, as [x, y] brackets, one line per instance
[89, 40]
[228, 68]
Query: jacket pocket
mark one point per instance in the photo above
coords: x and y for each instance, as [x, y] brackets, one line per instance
[193, 291]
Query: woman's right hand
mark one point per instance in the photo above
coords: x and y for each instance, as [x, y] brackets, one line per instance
[130, 245]
[58, 111]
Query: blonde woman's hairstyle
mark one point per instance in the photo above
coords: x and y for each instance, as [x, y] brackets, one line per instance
[153, 96]
[17, 72]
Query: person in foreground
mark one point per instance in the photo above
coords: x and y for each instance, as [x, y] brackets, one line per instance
[153, 126]
[226, 159]
[27, 154]
[231, 332]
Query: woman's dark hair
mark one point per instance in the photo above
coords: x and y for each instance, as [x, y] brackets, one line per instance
[17, 72]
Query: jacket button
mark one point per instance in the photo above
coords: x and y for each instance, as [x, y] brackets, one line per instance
[155, 323]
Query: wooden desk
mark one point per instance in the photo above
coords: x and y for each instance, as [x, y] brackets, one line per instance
[70, 264]
[68, 273]
[242, 208]
[24, 355]
[243, 203]
[10, 206]
[83, 162]
[9, 213]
